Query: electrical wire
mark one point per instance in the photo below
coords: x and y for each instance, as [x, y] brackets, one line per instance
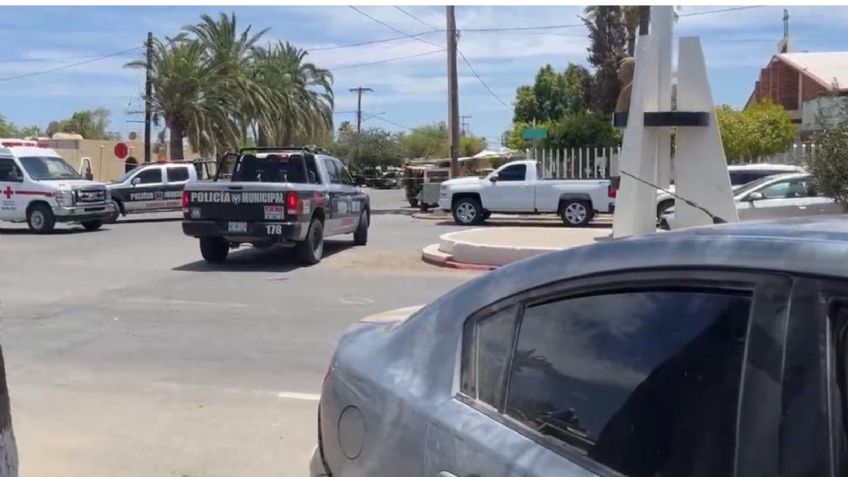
[72, 65]
[378, 118]
[372, 42]
[388, 60]
[393, 28]
[415, 18]
[721, 10]
[468, 64]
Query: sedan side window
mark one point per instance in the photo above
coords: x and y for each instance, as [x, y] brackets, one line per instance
[778, 190]
[517, 172]
[644, 382]
[487, 350]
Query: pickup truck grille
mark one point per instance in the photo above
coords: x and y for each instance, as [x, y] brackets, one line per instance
[90, 195]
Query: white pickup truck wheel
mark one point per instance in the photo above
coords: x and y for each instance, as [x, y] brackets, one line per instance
[467, 211]
[576, 213]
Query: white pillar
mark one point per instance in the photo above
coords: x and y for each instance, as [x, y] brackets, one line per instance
[700, 167]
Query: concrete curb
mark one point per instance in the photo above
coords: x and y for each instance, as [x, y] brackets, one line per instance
[432, 255]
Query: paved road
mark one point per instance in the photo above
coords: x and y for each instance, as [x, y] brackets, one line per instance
[127, 355]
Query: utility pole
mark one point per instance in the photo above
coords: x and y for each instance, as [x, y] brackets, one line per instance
[465, 124]
[453, 93]
[359, 90]
[148, 91]
[785, 44]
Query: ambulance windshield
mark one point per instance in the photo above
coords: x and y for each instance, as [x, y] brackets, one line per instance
[45, 168]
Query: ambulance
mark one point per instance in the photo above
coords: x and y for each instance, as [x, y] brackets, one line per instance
[38, 187]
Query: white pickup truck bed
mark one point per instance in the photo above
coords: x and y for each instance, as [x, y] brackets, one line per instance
[516, 188]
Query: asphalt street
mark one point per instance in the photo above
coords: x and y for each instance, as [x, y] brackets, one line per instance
[128, 355]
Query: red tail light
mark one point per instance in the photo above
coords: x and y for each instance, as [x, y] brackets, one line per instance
[292, 202]
[185, 200]
[612, 192]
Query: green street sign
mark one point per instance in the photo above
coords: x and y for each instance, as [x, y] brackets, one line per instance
[534, 133]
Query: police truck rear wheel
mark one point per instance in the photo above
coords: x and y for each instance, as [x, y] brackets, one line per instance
[310, 251]
[93, 225]
[40, 219]
[214, 249]
[360, 236]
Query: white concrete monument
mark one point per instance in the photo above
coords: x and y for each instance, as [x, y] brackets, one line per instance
[700, 168]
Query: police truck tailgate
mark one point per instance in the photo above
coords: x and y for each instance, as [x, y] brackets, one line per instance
[249, 202]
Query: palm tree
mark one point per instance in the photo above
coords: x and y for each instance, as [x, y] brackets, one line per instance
[232, 51]
[188, 95]
[302, 95]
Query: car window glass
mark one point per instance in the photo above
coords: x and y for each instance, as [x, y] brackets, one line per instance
[344, 174]
[149, 176]
[643, 382]
[489, 347]
[332, 171]
[9, 171]
[777, 190]
[838, 314]
[516, 172]
[741, 177]
[312, 170]
[177, 174]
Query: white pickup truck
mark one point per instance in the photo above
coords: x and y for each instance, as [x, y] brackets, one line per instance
[516, 188]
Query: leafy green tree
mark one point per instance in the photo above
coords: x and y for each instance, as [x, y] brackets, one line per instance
[828, 161]
[546, 99]
[471, 145]
[761, 130]
[430, 141]
[578, 88]
[526, 106]
[608, 37]
[90, 124]
[7, 128]
[370, 148]
[583, 130]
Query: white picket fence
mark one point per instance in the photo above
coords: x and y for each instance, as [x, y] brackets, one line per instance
[602, 162]
[577, 163]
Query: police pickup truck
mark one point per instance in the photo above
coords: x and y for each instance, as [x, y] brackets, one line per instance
[275, 196]
[156, 187]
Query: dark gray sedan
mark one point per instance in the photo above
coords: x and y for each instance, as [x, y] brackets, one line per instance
[719, 351]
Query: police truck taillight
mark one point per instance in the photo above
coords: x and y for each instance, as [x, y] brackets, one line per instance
[185, 201]
[612, 191]
[292, 203]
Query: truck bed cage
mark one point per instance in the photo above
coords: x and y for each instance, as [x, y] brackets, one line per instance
[279, 149]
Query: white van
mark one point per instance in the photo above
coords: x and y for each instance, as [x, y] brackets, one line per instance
[38, 187]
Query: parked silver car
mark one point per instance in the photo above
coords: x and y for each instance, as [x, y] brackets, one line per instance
[783, 195]
[740, 174]
[715, 351]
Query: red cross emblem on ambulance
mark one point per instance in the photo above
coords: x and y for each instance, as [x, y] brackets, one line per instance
[8, 192]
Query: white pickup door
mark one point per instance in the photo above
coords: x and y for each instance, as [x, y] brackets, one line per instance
[513, 191]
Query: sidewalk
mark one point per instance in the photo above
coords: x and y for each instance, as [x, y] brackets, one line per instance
[491, 247]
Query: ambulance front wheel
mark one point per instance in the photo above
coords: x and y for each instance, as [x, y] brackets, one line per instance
[40, 219]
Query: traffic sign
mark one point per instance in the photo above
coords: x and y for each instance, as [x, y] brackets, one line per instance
[534, 133]
[121, 150]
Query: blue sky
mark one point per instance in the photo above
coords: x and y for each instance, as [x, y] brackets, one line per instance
[408, 92]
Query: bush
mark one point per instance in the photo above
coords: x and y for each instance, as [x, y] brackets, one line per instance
[828, 161]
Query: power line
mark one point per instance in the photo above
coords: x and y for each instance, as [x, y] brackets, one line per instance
[468, 64]
[72, 65]
[388, 60]
[415, 18]
[523, 28]
[721, 10]
[372, 42]
[378, 118]
[393, 28]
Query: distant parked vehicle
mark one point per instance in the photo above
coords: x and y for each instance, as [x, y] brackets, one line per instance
[783, 195]
[740, 174]
[388, 180]
[717, 351]
[516, 188]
